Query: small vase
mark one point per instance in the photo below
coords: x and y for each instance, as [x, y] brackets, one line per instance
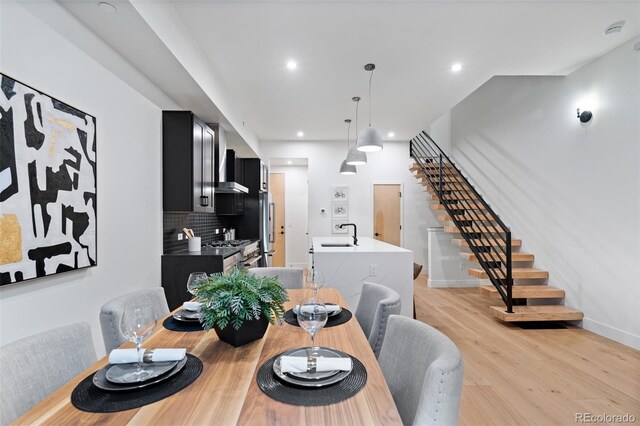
[247, 333]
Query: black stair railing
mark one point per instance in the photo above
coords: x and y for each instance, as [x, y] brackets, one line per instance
[489, 239]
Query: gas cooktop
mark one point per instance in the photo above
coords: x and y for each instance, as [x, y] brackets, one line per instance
[228, 243]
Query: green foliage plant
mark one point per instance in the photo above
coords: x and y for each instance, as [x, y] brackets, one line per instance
[236, 297]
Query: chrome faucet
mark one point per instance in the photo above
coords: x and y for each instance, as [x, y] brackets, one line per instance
[355, 232]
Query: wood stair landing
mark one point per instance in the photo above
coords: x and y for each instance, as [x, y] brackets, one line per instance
[525, 292]
[537, 313]
[517, 273]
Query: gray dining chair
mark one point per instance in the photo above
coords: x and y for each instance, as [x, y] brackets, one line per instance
[34, 367]
[112, 311]
[290, 278]
[424, 371]
[376, 303]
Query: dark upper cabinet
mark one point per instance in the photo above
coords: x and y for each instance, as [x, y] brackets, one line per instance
[187, 163]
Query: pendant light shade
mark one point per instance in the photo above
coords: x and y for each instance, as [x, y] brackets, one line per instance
[347, 169]
[355, 157]
[370, 139]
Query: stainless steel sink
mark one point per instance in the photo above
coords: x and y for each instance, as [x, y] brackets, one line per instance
[336, 245]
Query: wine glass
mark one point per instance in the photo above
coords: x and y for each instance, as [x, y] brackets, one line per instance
[137, 323]
[312, 316]
[195, 279]
[317, 280]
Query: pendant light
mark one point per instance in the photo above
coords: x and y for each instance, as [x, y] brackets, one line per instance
[348, 169]
[370, 139]
[355, 157]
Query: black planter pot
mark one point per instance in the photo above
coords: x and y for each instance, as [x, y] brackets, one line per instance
[247, 333]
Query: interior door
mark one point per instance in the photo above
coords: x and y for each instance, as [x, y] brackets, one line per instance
[387, 224]
[276, 186]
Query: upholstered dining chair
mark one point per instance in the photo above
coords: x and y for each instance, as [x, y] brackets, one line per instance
[34, 367]
[290, 278]
[376, 303]
[424, 371]
[112, 311]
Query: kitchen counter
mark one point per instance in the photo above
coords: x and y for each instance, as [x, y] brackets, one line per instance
[365, 245]
[219, 251]
[347, 268]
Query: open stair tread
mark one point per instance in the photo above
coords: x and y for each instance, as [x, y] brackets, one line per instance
[537, 313]
[525, 292]
[461, 242]
[515, 257]
[473, 207]
[472, 229]
[517, 273]
[478, 217]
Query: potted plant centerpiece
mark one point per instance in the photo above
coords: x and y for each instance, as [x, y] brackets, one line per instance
[239, 306]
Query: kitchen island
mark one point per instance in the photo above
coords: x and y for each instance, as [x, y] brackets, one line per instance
[344, 266]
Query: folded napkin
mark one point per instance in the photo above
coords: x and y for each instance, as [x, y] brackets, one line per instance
[330, 308]
[125, 356]
[298, 364]
[191, 306]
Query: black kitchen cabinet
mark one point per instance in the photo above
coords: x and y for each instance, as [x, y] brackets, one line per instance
[187, 163]
[248, 225]
[229, 204]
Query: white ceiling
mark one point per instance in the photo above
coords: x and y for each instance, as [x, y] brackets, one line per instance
[412, 43]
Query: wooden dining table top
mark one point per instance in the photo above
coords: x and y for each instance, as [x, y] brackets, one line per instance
[226, 393]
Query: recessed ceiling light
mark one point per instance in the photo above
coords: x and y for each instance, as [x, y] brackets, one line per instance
[292, 65]
[391, 134]
[289, 162]
[614, 28]
[456, 67]
[300, 134]
[107, 7]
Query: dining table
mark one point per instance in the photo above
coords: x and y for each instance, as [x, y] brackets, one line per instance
[227, 392]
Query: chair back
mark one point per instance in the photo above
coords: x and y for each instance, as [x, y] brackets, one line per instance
[376, 303]
[424, 371]
[111, 313]
[290, 278]
[34, 367]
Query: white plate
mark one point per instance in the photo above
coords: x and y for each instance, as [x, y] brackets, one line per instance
[314, 380]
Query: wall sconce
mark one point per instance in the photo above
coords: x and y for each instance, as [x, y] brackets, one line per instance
[584, 116]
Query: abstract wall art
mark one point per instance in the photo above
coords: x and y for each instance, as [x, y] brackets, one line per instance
[47, 185]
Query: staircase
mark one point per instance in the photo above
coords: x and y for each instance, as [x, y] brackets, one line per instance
[485, 239]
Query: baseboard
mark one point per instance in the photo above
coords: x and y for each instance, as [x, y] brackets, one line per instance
[620, 336]
[452, 283]
[298, 265]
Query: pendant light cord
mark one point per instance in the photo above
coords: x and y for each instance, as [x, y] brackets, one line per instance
[348, 135]
[370, 78]
[357, 103]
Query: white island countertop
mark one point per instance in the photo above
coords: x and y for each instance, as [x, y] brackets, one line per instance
[365, 245]
[347, 268]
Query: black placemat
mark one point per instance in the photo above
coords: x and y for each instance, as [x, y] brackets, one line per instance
[344, 316]
[174, 325]
[87, 397]
[271, 385]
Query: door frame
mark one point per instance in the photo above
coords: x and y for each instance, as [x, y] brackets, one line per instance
[388, 182]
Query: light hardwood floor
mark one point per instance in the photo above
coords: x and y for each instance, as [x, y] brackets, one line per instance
[518, 375]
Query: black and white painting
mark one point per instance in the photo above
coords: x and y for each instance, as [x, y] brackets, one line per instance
[47, 185]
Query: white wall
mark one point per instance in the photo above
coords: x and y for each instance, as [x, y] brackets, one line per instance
[129, 181]
[296, 214]
[570, 191]
[389, 165]
[440, 131]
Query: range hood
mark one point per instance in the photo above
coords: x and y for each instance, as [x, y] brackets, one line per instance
[224, 170]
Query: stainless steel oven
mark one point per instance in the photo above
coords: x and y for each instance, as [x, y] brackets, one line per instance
[250, 256]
